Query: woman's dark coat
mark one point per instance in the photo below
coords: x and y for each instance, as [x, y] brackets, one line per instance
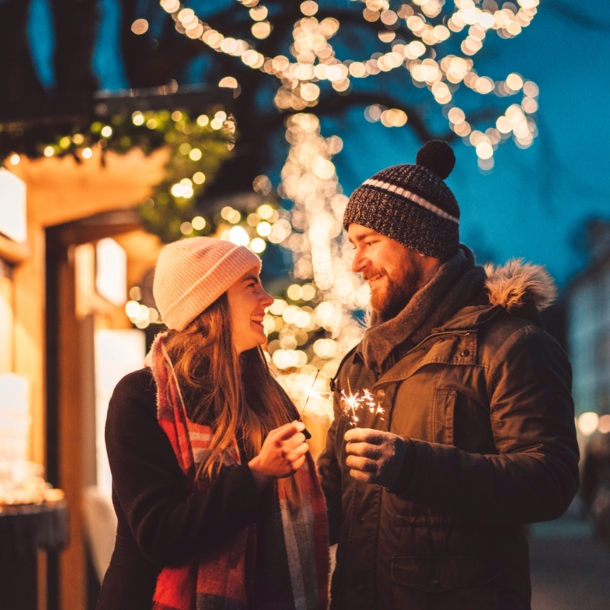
[160, 522]
[485, 405]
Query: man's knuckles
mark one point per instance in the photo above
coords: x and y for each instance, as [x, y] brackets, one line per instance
[361, 463]
[364, 449]
[365, 477]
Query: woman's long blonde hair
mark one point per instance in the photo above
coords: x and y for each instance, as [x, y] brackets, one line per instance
[236, 394]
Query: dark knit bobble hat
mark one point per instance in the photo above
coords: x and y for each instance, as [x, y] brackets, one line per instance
[411, 204]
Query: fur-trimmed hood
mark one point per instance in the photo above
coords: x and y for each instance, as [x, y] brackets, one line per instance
[516, 283]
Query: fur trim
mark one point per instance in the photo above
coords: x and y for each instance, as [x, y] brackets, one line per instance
[515, 283]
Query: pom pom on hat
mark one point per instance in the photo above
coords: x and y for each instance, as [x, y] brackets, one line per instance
[438, 157]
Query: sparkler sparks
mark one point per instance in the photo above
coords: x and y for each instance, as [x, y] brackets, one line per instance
[353, 402]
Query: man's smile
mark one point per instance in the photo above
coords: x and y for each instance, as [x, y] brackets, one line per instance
[373, 278]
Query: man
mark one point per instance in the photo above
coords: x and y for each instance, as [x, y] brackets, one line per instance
[474, 435]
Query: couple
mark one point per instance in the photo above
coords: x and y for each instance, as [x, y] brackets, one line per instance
[219, 503]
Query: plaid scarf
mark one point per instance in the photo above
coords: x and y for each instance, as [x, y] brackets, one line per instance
[287, 569]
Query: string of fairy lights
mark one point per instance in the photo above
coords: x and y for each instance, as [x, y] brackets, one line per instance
[313, 325]
[315, 60]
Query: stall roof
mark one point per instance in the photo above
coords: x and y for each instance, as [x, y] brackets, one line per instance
[48, 110]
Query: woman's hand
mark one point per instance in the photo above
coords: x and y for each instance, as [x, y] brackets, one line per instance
[281, 455]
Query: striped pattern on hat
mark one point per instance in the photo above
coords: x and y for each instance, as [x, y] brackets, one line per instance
[412, 205]
[192, 273]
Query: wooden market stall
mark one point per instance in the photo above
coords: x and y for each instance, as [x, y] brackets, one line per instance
[50, 334]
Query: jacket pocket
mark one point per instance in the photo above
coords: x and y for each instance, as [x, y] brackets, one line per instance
[438, 574]
[444, 415]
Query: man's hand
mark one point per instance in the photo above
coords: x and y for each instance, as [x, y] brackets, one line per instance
[374, 456]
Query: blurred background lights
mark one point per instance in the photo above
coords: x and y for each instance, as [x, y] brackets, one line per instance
[309, 8]
[258, 13]
[261, 30]
[137, 118]
[239, 236]
[604, 424]
[170, 5]
[262, 185]
[258, 245]
[139, 26]
[278, 306]
[294, 292]
[132, 309]
[265, 211]
[315, 59]
[514, 82]
[587, 423]
[228, 82]
[263, 229]
[305, 341]
[484, 150]
[198, 223]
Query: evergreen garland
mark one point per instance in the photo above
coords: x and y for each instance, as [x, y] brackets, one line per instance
[197, 146]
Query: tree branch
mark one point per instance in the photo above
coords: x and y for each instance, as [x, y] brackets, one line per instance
[75, 25]
[17, 73]
[567, 12]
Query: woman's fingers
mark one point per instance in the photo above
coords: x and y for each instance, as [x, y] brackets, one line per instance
[287, 431]
[296, 465]
[296, 441]
[297, 453]
[283, 452]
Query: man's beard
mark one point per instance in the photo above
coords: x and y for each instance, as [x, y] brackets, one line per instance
[398, 293]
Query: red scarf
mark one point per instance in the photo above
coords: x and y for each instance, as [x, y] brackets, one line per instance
[225, 580]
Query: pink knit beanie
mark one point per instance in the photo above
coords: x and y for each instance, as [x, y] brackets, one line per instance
[192, 273]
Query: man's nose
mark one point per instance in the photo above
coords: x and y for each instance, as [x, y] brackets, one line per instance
[358, 263]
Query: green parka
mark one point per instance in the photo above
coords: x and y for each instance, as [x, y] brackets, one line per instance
[484, 404]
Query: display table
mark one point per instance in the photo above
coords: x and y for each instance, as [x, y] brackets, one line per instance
[24, 530]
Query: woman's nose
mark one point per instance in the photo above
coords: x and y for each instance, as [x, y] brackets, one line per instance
[267, 299]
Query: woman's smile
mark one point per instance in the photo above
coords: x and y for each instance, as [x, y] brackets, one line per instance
[247, 302]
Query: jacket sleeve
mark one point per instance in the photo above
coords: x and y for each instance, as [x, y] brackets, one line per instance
[169, 523]
[330, 477]
[534, 476]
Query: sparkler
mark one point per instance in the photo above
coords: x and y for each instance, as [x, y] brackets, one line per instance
[309, 392]
[352, 402]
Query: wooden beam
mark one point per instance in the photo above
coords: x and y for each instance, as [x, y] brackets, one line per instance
[40, 110]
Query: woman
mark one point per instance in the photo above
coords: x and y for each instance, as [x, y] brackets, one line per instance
[216, 495]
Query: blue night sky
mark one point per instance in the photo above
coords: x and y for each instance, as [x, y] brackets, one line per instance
[534, 204]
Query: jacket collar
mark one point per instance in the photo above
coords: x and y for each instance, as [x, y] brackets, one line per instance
[469, 319]
[519, 288]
